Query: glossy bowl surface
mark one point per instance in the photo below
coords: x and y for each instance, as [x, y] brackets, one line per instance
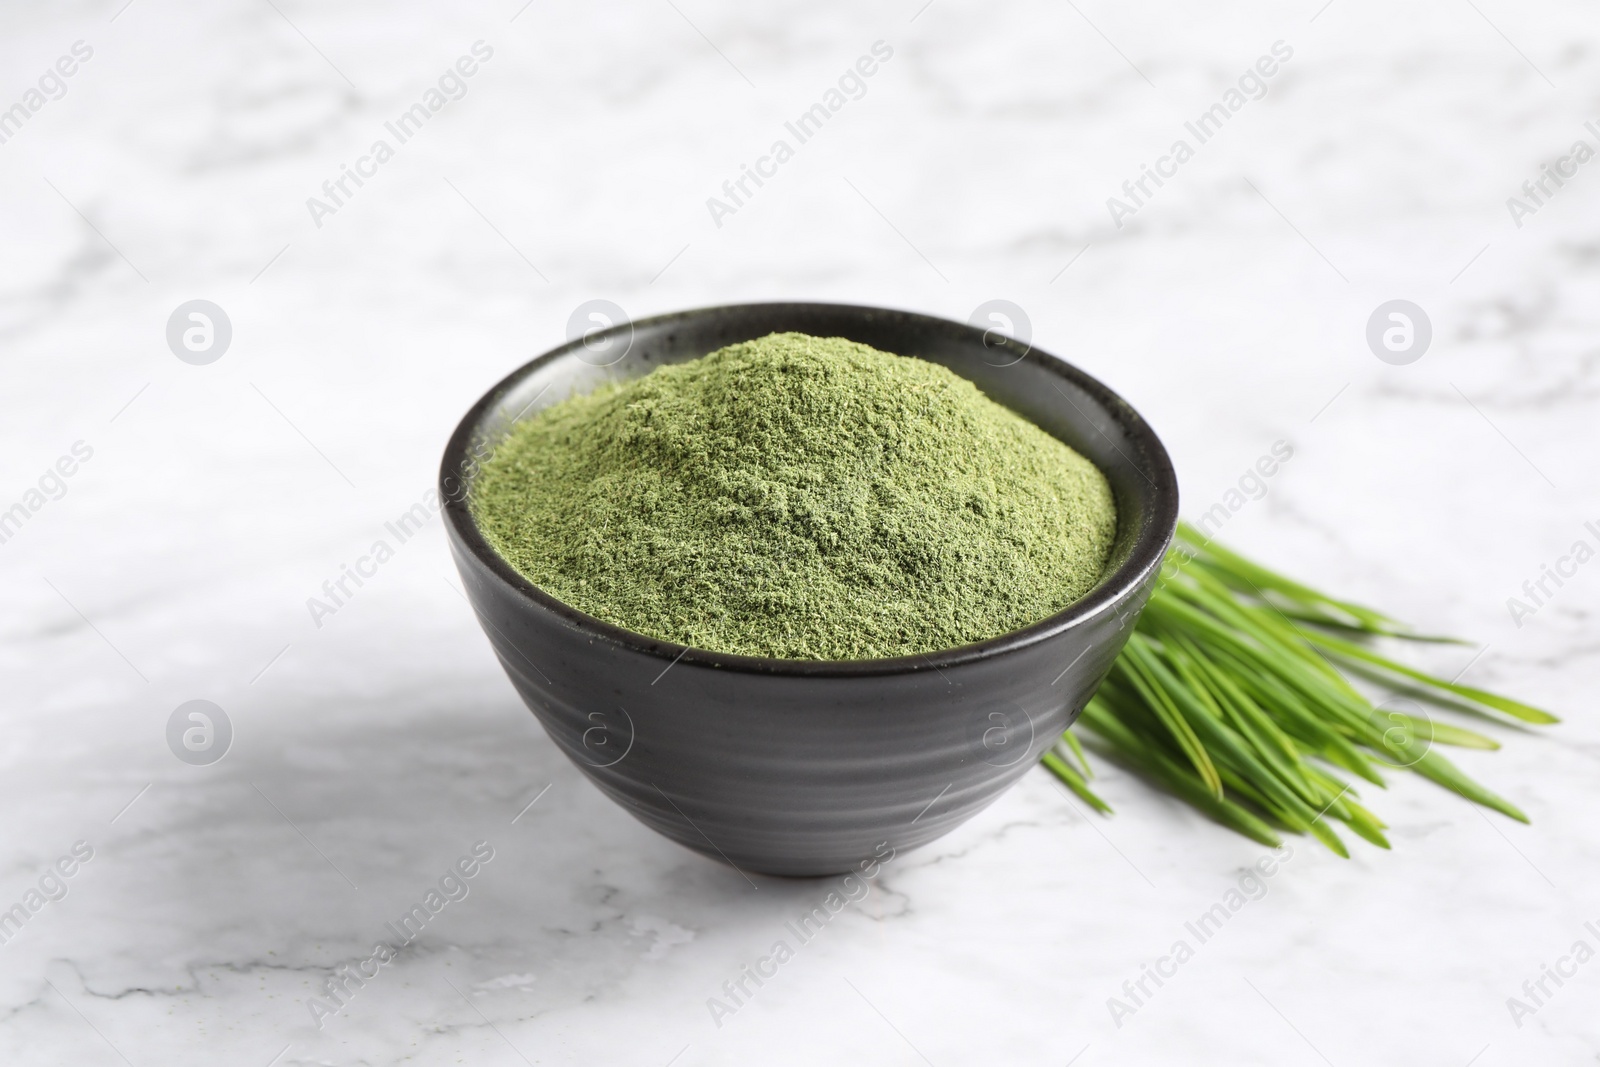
[798, 767]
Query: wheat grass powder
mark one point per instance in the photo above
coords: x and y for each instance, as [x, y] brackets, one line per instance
[801, 498]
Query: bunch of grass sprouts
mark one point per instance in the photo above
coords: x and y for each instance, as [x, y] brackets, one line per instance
[1235, 693]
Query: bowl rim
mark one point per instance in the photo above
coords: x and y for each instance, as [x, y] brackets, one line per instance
[1108, 595]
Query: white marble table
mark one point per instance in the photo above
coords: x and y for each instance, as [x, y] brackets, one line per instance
[372, 747]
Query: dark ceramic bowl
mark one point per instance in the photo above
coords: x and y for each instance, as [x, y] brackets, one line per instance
[801, 767]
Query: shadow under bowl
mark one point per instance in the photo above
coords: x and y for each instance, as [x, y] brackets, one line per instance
[798, 767]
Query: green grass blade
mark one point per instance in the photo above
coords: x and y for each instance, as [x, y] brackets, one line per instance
[1184, 783]
[1445, 733]
[1435, 767]
[1364, 824]
[1271, 633]
[1136, 657]
[1324, 833]
[1515, 708]
[1331, 623]
[1230, 748]
[1071, 741]
[1074, 781]
[1271, 748]
[1301, 717]
[1262, 577]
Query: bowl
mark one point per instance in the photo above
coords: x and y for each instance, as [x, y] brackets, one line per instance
[800, 767]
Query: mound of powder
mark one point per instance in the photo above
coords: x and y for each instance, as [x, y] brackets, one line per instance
[800, 498]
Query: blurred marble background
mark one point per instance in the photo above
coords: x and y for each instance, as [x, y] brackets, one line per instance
[208, 501]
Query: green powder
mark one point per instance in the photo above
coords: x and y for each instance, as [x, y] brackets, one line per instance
[798, 497]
